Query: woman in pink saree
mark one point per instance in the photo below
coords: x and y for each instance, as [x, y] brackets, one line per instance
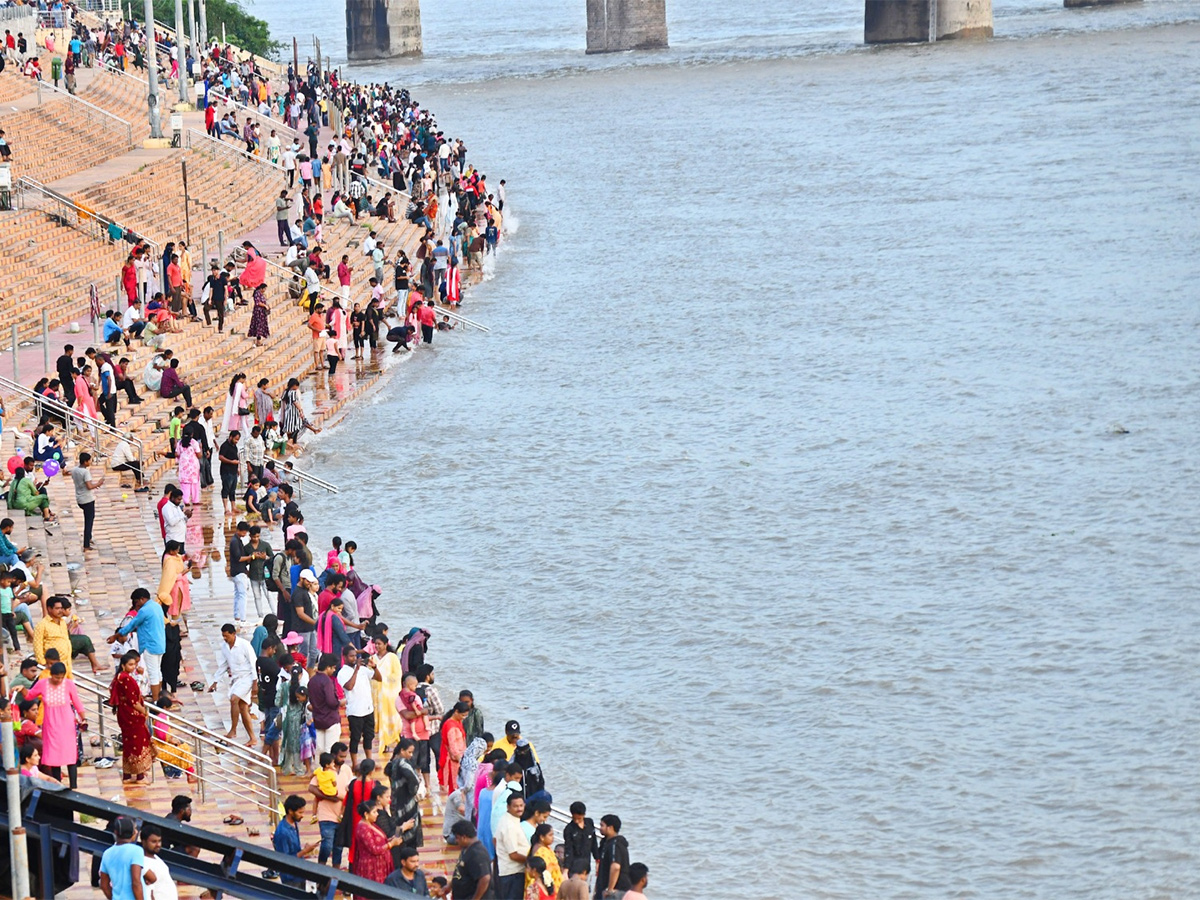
[338, 320]
[85, 400]
[255, 272]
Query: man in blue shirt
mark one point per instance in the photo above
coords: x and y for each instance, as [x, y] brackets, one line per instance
[151, 627]
[287, 838]
[122, 863]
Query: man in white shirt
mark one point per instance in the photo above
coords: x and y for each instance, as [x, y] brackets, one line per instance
[238, 661]
[355, 677]
[131, 320]
[368, 246]
[512, 849]
[293, 259]
[160, 885]
[174, 518]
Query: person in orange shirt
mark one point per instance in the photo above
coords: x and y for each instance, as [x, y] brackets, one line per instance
[316, 324]
[175, 280]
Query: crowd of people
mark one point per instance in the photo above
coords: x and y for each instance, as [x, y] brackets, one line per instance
[315, 678]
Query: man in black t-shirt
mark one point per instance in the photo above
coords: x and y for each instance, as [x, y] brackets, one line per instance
[304, 615]
[66, 377]
[472, 877]
[268, 689]
[228, 455]
[613, 872]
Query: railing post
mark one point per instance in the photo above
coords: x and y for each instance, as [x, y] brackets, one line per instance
[16, 366]
[200, 774]
[46, 339]
[221, 248]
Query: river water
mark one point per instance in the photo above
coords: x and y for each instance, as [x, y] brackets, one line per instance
[824, 499]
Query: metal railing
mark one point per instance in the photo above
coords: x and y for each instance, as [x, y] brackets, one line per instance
[220, 764]
[278, 124]
[463, 320]
[288, 469]
[288, 275]
[113, 70]
[198, 140]
[88, 221]
[93, 113]
[386, 188]
[55, 18]
[16, 13]
[76, 425]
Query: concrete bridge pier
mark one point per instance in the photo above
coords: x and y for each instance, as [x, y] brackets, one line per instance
[615, 25]
[383, 29]
[1074, 4]
[911, 21]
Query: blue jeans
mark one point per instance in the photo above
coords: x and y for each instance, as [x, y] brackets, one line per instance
[11, 560]
[328, 830]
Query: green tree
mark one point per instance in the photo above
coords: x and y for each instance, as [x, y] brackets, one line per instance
[241, 29]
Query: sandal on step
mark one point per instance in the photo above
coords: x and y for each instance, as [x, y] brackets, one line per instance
[233, 820]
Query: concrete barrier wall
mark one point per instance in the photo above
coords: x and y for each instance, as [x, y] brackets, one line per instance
[963, 19]
[383, 29]
[616, 25]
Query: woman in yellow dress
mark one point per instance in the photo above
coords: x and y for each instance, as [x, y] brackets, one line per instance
[385, 691]
[542, 842]
[169, 750]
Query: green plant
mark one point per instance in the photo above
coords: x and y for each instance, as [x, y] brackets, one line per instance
[241, 29]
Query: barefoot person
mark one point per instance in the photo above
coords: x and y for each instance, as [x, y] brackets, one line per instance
[238, 661]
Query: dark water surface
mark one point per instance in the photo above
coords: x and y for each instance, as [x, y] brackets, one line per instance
[786, 503]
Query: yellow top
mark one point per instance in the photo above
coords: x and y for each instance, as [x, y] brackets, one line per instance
[327, 781]
[53, 633]
[509, 746]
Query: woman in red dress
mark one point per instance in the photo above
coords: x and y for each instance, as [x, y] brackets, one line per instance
[125, 696]
[372, 849]
[357, 793]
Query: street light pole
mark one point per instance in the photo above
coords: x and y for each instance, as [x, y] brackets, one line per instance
[203, 28]
[192, 29]
[18, 848]
[183, 89]
[152, 73]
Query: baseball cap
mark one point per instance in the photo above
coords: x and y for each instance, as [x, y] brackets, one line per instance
[512, 727]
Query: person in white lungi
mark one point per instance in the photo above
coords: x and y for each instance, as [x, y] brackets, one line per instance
[238, 662]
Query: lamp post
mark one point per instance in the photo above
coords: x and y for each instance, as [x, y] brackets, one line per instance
[152, 73]
[192, 29]
[18, 849]
[183, 90]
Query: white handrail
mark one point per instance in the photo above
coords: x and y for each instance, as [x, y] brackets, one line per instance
[258, 783]
[277, 124]
[290, 273]
[229, 147]
[47, 86]
[387, 188]
[85, 424]
[123, 74]
[463, 320]
[290, 469]
[27, 183]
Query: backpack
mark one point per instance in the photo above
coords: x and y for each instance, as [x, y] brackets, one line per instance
[271, 572]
